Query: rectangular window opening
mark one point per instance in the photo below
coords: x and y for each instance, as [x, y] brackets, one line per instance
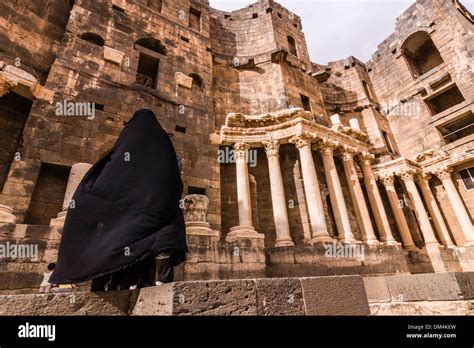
[458, 129]
[467, 177]
[445, 100]
[195, 19]
[147, 73]
[180, 129]
[388, 143]
[306, 103]
[196, 191]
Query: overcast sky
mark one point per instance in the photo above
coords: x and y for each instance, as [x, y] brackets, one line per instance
[336, 29]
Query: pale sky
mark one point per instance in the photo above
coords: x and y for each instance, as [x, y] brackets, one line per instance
[337, 29]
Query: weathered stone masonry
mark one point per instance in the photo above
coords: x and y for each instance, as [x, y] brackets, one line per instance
[378, 155]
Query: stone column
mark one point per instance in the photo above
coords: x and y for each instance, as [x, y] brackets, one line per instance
[457, 204]
[408, 178]
[375, 200]
[335, 192]
[280, 214]
[78, 171]
[400, 219]
[435, 212]
[312, 191]
[358, 199]
[245, 228]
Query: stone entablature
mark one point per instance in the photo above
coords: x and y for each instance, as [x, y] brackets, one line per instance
[284, 125]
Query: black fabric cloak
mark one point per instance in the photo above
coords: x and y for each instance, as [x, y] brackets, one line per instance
[126, 207]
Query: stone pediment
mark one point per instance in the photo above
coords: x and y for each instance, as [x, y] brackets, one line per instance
[238, 120]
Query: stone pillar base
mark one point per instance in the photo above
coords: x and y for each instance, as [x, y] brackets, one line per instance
[395, 243]
[371, 242]
[349, 241]
[465, 257]
[200, 228]
[6, 215]
[434, 252]
[284, 243]
[247, 232]
[322, 240]
[59, 221]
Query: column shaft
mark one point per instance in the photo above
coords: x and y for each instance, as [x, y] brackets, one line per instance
[336, 195]
[420, 212]
[457, 204]
[312, 191]
[435, 212]
[362, 212]
[375, 200]
[400, 218]
[243, 185]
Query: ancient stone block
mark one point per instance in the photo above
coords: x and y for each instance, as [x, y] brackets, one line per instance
[344, 295]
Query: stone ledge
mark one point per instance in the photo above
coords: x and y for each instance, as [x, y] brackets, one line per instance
[420, 287]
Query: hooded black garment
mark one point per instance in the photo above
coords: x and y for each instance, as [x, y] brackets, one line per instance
[126, 207]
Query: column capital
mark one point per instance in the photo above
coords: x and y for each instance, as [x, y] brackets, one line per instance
[366, 158]
[327, 146]
[387, 180]
[301, 141]
[272, 147]
[423, 178]
[348, 153]
[443, 173]
[241, 150]
[407, 175]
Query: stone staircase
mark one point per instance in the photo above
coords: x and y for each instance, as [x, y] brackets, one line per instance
[424, 294]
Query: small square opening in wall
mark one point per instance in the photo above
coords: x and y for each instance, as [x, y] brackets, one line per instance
[118, 9]
[99, 107]
[180, 129]
[255, 15]
[185, 39]
[279, 15]
[196, 191]
[269, 10]
[467, 177]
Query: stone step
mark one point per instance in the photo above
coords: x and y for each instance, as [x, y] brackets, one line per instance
[425, 294]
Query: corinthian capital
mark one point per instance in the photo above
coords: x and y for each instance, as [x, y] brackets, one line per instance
[407, 175]
[366, 158]
[423, 178]
[241, 150]
[327, 146]
[272, 148]
[443, 173]
[387, 180]
[348, 152]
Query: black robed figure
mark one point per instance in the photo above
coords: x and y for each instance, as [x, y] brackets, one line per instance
[126, 213]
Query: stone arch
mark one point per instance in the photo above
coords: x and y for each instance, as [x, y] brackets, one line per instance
[93, 39]
[420, 53]
[151, 44]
